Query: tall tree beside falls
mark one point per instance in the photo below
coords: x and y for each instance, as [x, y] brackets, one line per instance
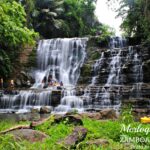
[29, 6]
[62, 18]
[13, 34]
[79, 16]
[136, 18]
[46, 17]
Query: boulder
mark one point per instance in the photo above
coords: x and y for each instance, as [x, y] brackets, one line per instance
[69, 119]
[78, 134]
[95, 116]
[18, 83]
[140, 110]
[45, 109]
[34, 110]
[108, 114]
[29, 135]
[98, 142]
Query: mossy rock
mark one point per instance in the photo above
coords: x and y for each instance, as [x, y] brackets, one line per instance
[86, 70]
[94, 56]
[93, 53]
[84, 80]
[93, 41]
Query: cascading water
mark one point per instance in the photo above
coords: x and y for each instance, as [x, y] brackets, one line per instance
[72, 59]
[113, 78]
[88, 90]
[137, 71]
[114, 68]
[61, 59]
[24, 101]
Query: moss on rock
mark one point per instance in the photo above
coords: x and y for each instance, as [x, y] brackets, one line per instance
[86, 70]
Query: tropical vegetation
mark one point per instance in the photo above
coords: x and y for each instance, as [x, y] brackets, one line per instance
[136, 18]
[22, 22]
[112, 131]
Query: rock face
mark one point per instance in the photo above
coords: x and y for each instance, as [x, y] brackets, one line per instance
[108, 78]
[108, 114]
[29, 135]
[130, 83]
[70, 119]
[78, 134]
[94, 116]
[45, 109]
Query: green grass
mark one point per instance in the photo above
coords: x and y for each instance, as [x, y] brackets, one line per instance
[108, 129]
[8, 124]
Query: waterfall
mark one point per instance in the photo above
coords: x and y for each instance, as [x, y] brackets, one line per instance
[87, 92]
[73, 55]
[113, 78]
[24, 101]
[60, 60]
[137, 71]
[112, 67]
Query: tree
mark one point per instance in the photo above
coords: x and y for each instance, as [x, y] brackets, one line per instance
[13, 34]
[80, 17]
[136, 18]
[46, 17]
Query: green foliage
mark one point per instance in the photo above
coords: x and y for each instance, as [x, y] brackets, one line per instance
[13, 31]
[5, 64]
[136, 18]
[45, 17]
[126, 115]
[63, 18]
[79, 17]
[5, 124]
[97, 129]
[13, 34]
[8, 143]
[105, 32]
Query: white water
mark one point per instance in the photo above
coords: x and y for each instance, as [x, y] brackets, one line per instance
[109, 95]
[113, 78]
[73, 55]
[138, 72]
[61, 59]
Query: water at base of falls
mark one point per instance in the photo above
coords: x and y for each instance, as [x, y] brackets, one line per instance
[59, 60]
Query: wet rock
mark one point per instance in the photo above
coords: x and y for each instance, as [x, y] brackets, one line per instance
[45, 109]
[95, 116]
[18, 83]
[55, 98]
[28, 134]
[140, 110]
[34, 110]
[78, 134]
[108, 114]
[98, 142]
[69, 119]
[86, 70]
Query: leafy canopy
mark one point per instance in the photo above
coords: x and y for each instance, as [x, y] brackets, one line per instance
[13, 31]
[13, 34]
